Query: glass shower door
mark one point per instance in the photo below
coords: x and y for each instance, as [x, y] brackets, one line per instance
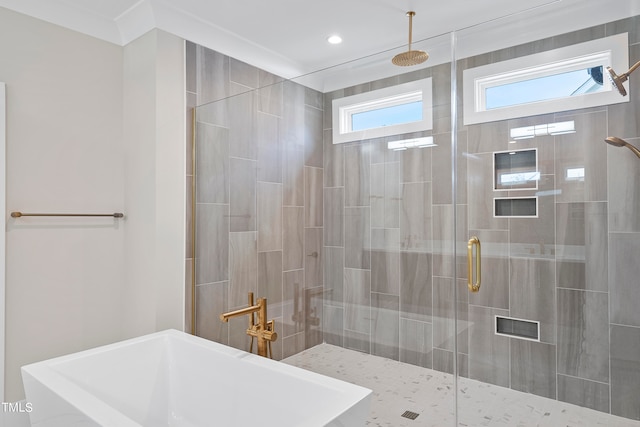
[552, 336]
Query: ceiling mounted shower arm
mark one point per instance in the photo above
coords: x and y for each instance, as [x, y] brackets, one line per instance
[410, 15]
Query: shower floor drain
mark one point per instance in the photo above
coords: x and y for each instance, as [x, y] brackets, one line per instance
[410, 415]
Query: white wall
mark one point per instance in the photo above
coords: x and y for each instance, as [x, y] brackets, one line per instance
[91, 127]
[154, 129]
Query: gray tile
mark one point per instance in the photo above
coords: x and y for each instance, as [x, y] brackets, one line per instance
[189, 138]
[333, 161]
[334, 275]
[314, 321]
[535, 235]
[293, 309]
[242, 194]
[270, 94]
[313, 207]
[533, 294]
[357, 300]
[416, 286]
[385, 261]
[292, 123]
[211, 302]
[488, 353]
[188, 293]
[444, 315]
[270, 283]
[481, 194]
[191, 70]
[494, 286]
[269, 148]
[626, 25]
[243, 262]
[582, 246]
[533, 367]
[416, 165]
[441, 169]
[358, 341]
[292, 238]
[357, 175]
[416, 343]
[583, 334]
[212, 243]
[269, 216]
[357, 238]
[571, 151]
[624, 271]
[624, 194]
[242, 125]
[313, 98]
[488, 137]
[625, 371]
[212, 75]
[293, 176]
[243, 73]
[578, 391]
[333, 325]
[313, 257]
[313, 137]
[385, 325]
[385, 195]
[334, 216]
[415, 216]
[212, 164]
[443, 360]
[293, 344]
[377, 195]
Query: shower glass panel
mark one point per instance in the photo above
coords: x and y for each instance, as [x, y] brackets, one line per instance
[351, 244]
[565, 277]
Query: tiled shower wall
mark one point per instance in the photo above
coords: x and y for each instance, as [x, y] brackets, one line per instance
[258, 201]
[389, 269]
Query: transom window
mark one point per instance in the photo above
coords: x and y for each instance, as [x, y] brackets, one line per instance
[390, 111]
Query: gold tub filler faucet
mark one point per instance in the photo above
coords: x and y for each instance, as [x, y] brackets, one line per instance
[263, 331]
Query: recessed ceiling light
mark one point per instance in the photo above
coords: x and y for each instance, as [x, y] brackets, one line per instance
[335, 39]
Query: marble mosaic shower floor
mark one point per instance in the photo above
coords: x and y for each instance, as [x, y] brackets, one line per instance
[398, 387]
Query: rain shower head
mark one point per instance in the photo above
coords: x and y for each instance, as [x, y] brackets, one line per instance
[410, 57]
[619, 142]
[617, 80]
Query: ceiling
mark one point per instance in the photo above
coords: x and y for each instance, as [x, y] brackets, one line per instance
[288, 37]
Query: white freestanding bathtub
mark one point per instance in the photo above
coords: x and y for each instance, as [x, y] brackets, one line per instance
[172, 378]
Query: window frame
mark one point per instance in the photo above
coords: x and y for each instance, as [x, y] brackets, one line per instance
[344, 108]
[608, 51]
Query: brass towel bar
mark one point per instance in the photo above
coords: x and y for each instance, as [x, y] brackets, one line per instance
[21, 214]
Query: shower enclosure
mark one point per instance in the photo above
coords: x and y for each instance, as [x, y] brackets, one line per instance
[367, 244]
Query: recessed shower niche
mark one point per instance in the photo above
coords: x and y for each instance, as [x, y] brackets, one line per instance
[515, 170]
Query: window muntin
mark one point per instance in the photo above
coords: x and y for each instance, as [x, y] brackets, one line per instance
[389, 111]
[521, 78]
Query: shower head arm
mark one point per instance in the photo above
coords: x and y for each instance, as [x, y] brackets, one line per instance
[632, 69]
[410, 15]
[634, 149]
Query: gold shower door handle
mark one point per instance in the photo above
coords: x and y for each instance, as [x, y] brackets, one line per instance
[473, 286]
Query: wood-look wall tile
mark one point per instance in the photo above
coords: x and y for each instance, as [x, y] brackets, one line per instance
[481, 194]
[313, 207]
[357, 175]
[385, 261]
[293, 176]
[269, 146]
[583, 226]
[314, 257]
[416, 165]
[293, 344]
[416, 343]
[624, 292]
[333, 216]
[269, 217]
[270, 93]
[532, 294]
[242, 177]
[533, 368]
[415, 217]
[357, 300]
[212, 74]
[334, 275]
[583, 334]
[624, 194]
[385, 325]
[333, 325]
[314, 301]
[294, 310]
[292, 238]
[357, 238]
[416, 285]
[488, 352]
[270, 283]
[243, 262]
[190, 137]
[243, 73]
[313, 136]
[242, 125]
[444, 315]
[494, 291]
[377, 198]
[625, 371]
[212, 243]
[212, 164]
[333, 161]
[581, 392]
[211, 303]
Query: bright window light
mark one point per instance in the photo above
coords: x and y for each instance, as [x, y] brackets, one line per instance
[528, 132]
[394, 110]
[404, 144]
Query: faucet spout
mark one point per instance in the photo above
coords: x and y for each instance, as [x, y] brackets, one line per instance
[241, 312]
[263, 330]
